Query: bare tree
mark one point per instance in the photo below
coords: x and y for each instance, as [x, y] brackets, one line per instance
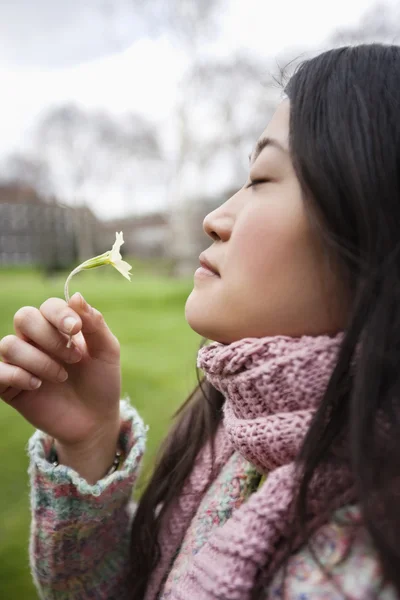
[28, 170]
[91, 150]
[238, 97]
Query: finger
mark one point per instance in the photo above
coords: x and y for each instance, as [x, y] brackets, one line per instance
[100, 341]
[30, 324]
[13, 379]
[57, 312]
[21, 354]
[10, 393]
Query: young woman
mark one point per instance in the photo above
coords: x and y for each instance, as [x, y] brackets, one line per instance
[281, 475]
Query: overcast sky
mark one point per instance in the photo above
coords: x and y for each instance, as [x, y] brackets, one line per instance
[93, 52]
[60, 33]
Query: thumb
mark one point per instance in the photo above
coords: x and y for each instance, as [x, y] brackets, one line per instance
[101, 343]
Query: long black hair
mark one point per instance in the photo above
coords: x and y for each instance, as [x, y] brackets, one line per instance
[345, 147]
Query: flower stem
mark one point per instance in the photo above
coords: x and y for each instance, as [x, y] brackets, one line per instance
[88, 264]
[66, 286]
[67, 296]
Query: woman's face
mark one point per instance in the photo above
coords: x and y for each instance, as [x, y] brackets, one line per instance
[273, 274]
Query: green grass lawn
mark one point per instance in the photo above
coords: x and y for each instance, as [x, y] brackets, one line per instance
[158, 372]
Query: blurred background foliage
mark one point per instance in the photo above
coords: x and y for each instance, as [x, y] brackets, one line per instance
[80, 170]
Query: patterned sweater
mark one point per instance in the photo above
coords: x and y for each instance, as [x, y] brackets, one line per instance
[79, 547]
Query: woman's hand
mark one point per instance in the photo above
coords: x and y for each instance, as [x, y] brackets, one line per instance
[72, 394]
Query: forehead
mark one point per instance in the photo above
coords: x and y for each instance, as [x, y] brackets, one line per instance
[278, 127]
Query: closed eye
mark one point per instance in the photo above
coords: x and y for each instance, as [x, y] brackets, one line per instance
[256, 182]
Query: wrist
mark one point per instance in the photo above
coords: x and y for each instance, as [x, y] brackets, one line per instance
[94, 458]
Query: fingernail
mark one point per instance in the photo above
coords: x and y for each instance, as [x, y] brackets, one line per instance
[81, 299]
[35, 383]
[76, 354]
[84, 305]
[69, 323]
[62, 376]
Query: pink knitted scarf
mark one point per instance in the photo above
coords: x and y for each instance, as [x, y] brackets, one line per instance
[272, 388]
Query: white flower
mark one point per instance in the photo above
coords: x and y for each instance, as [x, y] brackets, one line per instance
[112, 257]
[116, 259]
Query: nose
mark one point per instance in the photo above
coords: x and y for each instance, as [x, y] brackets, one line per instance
[218, 224]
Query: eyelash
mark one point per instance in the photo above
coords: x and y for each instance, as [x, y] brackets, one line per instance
[256, 182]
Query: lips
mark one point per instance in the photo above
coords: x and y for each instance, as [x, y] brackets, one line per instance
[206, 264]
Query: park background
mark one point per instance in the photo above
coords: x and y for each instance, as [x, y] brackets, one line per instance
[134, 115]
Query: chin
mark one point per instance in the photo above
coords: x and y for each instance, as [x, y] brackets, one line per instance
[198, 320]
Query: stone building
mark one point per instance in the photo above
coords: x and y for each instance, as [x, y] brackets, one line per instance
[34, 231]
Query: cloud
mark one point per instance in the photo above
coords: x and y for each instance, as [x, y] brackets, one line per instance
[59, 33]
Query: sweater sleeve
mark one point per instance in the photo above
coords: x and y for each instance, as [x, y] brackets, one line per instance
[79, 541]
[344, 549]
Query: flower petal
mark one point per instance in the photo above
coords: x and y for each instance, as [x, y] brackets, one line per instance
[123, 267]
[115, 253]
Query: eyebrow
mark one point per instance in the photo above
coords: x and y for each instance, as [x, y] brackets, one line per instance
[263, 143]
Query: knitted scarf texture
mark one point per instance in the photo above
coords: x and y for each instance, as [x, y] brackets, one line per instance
[272, 388]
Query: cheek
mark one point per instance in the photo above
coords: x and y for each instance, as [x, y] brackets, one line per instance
[266, 243]
[274, 281]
